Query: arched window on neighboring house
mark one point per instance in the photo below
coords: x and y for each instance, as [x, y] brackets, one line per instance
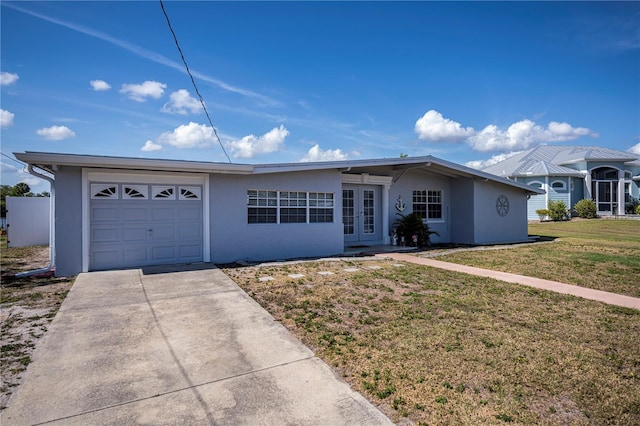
[535, 184]
[559, 185]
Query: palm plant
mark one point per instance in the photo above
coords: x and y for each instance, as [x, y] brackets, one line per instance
[415, 232]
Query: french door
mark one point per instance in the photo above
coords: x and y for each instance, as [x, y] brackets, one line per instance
[360, 213]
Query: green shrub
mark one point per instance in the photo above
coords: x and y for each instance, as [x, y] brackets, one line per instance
[586, 208]
[543, 213]
[557, 210]
[411, 226]
[638, 210]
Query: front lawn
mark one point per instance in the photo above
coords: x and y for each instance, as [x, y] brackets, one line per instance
[599, 254]
[439, 347]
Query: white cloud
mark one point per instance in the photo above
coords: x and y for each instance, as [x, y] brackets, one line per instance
[483, 164]
[432, 126]
[100, 85]
[192, 135]
[7, 78]
[150, 146]
[317, 154]
[251, 145]
[56, 133]
[181, 102]
[525, 133]
[635, 149]
[6, 118]
[139, 92]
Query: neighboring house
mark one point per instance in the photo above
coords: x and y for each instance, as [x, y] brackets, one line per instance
[570, 173]
[115, 212]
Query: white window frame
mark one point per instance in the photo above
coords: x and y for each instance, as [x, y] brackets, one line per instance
[563, 185]
[280, 202]
[441, 219]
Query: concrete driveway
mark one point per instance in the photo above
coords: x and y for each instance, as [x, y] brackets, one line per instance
[158, 347]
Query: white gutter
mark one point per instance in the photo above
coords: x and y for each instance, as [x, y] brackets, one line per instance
[52, 228]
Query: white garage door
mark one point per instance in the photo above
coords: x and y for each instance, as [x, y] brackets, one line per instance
[143, 224]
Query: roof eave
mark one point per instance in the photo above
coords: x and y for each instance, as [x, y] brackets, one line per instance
[50, 160]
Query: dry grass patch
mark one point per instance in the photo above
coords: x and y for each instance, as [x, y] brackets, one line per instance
[438, 347]
[27, 306]
[598, 254]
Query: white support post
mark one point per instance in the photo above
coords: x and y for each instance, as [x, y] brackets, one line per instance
[385, 214]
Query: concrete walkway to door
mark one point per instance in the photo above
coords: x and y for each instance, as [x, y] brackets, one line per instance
[586, 293]
[157, 348]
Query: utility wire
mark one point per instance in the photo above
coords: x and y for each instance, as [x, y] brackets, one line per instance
[13, 159]
[175, 38]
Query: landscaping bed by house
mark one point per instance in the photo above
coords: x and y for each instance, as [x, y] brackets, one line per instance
[27, 306]
[436, 347]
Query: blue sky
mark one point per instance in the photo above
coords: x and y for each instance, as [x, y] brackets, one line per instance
[310, 81]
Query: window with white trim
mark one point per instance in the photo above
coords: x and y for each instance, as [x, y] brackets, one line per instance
[427, 203]
[104, 191]
[135, 192]
[163, 192]
[289, 207]
[189, 192]
[536, 184]
[558, 185]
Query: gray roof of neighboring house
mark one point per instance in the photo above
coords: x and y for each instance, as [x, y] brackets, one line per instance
[548, 160]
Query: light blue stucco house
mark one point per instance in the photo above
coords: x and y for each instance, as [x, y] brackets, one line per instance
[117, 212]
[570, 173]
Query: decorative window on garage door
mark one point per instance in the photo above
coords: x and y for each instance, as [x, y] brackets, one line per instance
[163, 192]
[136, 192]
[189, 192]
[104, 191]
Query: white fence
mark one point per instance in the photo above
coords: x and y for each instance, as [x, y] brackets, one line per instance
[28, 221]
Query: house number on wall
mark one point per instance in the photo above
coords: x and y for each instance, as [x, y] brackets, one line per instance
[502, 205]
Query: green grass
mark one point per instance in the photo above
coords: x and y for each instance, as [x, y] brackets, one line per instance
[598, 254]
[438, 347]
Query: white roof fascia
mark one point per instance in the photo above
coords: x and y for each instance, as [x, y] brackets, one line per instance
[53, 159]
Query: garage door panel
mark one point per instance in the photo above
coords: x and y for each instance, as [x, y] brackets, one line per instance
[163, 253]
[104, 214]
[164, 233]
[105, 235]
[104, 258]
[190, 251]
[135, 214]
[158, 214]
[133, 232]
[135, 255]
[192, 213]
[190, 231]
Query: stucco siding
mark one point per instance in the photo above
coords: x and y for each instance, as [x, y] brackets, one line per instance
[462, 222]
[68, 221]
[490, 227]
[413, 180]
[233, 238]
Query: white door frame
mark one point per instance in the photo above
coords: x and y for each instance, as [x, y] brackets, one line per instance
[385, 183]
[132, 176]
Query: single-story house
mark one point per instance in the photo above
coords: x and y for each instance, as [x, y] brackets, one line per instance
[570, 173]
[117, 212]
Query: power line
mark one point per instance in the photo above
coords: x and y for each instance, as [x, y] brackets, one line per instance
[13, 159]
[175, 38]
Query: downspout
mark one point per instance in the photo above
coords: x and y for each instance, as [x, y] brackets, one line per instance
[52, 228]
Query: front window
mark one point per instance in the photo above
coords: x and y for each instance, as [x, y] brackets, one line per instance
[289, 207]
[428, 203]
